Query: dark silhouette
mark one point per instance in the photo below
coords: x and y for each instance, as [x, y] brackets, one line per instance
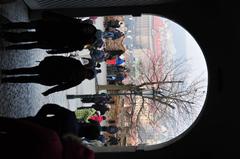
[64, 121]
[6, 1]
[97, 55]
[57, 118]
[59, 71]
[58, 33]
[99, 40]
[96, 98]
[25, 139]
[92, 130]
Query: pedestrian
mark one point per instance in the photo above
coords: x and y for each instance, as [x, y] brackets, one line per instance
[55, 117]
[64, 121]
[23, 138]
[117, 78]
[98, 55]
[93, 129]
[58, 71]
[58, 33]
[102, 108]
[85, 113]
[96, 98]
[99, 40]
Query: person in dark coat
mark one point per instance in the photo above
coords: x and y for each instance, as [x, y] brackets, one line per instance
[96, 98]
[120, 76]
[93, 129]
[25, 139]
[58, 33]
[97, 55]
[55, 117]
[58, 71]
[63, 121]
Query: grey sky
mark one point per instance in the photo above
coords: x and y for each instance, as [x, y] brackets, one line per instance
[187, 48]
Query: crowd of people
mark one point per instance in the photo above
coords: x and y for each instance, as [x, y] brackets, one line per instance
[59, 34]
[97, 112]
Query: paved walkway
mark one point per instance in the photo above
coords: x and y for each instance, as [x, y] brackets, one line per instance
[20, 100]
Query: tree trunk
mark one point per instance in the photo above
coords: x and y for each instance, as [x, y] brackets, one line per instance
[111, 87]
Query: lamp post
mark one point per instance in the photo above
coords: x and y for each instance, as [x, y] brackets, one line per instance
[72, 96]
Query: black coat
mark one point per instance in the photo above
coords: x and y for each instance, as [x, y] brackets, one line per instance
[64, 34]
[62, 120]
[59, 69]
[65, 72]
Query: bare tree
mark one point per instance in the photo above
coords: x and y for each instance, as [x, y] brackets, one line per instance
[173, 96]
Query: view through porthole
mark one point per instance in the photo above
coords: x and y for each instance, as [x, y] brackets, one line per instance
[153, 80]
[156, 76]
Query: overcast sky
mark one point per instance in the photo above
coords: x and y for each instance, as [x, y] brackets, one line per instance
[187, 48]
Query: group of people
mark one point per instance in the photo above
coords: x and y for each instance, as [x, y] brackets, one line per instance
[111, 32]
[97, 112]
[78, 137]
[117, 70]
[59, 34]
[64, 121]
